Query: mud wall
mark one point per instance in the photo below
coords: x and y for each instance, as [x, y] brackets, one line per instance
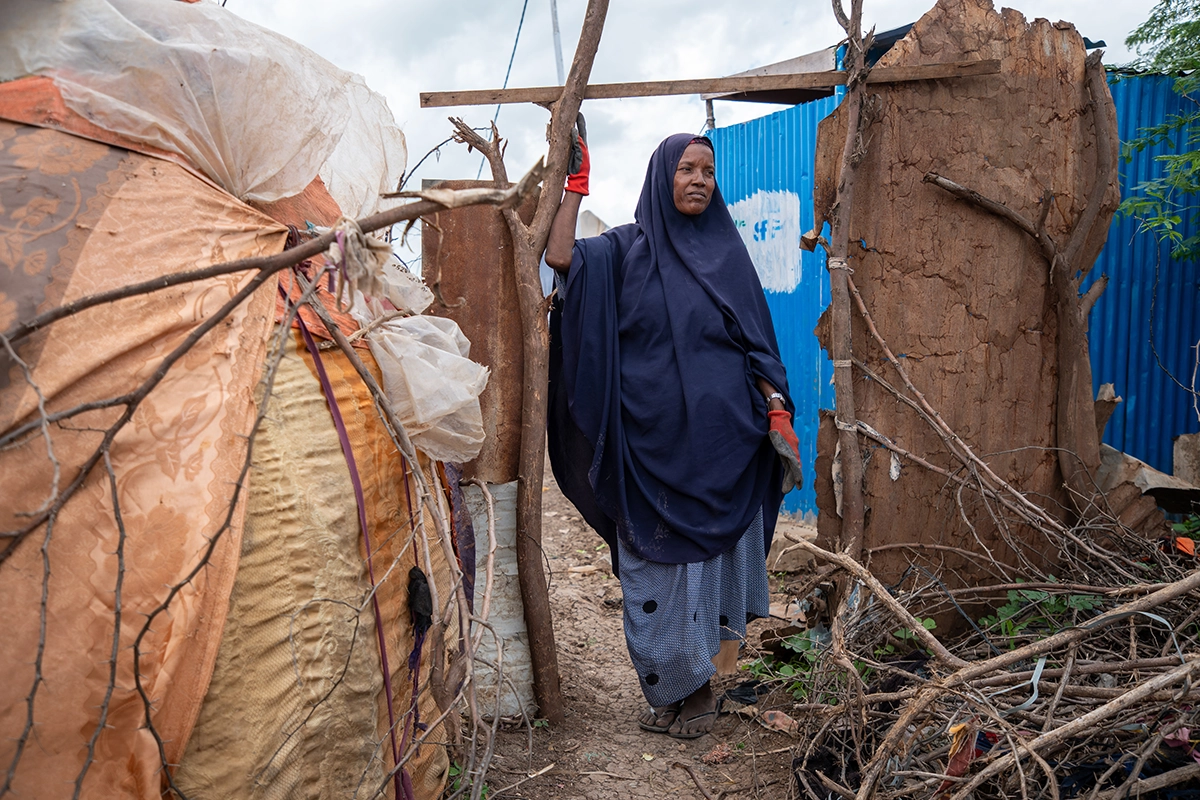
[962, 297]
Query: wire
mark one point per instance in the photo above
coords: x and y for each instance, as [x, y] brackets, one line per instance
[436, 150]
[507, 73]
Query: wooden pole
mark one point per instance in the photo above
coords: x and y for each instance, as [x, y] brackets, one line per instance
[735, 85]
[840, 350]
[528, 243]
[1075, 412]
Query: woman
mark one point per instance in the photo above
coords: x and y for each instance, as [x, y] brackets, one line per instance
[668, 404]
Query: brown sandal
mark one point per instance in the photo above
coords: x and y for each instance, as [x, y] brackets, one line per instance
[674, 709]
[714, 713]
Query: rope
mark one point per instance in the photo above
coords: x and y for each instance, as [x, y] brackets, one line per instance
[358, 260]
[838, 263]
[507, 73]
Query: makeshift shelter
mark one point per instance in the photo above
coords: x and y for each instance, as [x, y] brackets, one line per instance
[210, 537]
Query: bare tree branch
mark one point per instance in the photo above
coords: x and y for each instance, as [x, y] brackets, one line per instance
[840, 345]
[116, 638]
[529, 241]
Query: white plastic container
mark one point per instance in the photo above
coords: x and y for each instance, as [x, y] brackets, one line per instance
[514, 696]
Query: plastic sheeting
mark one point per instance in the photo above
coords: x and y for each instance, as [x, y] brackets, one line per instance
[428, 376]
[253, 111]
[432, 385]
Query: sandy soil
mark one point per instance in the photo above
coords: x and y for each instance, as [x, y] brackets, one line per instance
[600, 753]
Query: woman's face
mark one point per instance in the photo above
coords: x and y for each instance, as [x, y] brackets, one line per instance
[695, 179]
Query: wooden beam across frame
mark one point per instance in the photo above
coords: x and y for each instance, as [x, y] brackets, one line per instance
[746, 83]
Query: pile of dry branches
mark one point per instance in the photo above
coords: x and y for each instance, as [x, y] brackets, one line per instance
[1080, 685]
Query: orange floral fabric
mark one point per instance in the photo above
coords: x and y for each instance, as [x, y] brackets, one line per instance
[79, 217]
[346, 323]
[35, 100]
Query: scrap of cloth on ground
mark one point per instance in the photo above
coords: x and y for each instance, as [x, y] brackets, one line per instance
[658, 431]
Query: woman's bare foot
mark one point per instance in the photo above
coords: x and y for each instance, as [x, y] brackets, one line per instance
[696, 717]
[659, 720]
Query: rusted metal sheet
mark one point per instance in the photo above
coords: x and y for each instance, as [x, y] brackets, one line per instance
[467, 260]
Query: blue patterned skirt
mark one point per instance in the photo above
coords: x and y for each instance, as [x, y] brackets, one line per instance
[677, 614]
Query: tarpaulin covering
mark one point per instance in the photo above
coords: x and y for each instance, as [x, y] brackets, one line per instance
[251, 110]
[292, 706]
[79, 217]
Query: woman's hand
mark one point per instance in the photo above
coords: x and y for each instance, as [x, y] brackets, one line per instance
[581, 162]
[783, 437]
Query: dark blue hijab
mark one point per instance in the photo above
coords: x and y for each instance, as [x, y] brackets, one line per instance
[658, 433]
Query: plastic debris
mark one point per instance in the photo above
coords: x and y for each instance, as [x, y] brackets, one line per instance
[779, 721]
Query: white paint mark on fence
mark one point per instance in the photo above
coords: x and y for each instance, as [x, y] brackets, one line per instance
[769, 223]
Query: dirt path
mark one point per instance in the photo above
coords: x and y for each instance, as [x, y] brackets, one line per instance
[600, 753]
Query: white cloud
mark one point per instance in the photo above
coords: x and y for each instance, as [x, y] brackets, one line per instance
[404, 48]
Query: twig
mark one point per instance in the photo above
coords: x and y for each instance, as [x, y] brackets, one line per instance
[979, 669]
[840, 345]
[38, 660]
[832, 785]
[511, 786]
[695, 778]
[1037, 232]
[884, 596]
[503, 197]
[1144, 786]
[116, 638]
[1148, 749]
[272, 263]
[1080, 668]
[1083, 723]
[954, 442]
[43, 422]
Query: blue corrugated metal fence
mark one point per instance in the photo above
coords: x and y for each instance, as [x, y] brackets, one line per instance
[1150, 305]
[765, 171]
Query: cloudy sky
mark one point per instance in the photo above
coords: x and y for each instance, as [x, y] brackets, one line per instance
[407, 47]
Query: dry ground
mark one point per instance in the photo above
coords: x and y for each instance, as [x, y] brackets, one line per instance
[600, 753]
